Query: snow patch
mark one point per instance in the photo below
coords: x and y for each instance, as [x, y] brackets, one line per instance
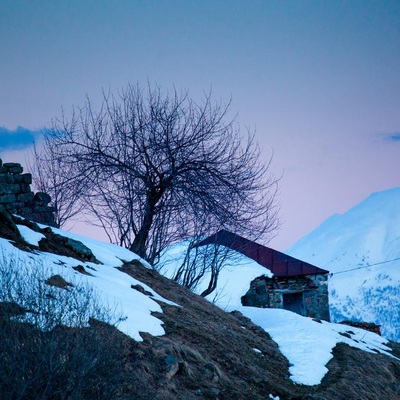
[29, 235]
[308, 344]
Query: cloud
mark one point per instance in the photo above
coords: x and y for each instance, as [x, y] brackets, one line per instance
[17, 139]
[392, 136]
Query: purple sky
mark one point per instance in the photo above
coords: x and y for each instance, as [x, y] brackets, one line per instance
[318, 80]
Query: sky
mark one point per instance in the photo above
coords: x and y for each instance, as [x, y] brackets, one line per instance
[319, 81]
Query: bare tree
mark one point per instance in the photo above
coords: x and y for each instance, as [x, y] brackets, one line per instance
[52, 176]
[159, 167]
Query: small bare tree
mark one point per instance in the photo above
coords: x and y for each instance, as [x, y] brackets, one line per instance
[55, 178]
[152, 167]
[199, 263]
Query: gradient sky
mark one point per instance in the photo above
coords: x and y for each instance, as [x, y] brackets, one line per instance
[318, 80]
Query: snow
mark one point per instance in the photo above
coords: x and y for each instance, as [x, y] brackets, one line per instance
[358, 247]
[234, 282]
[308, 344]
[107, 253]
[113, 287]
[271, 396]
[29, 235]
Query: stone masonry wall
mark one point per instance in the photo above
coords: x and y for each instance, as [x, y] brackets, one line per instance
[312, 289]
[16, 195]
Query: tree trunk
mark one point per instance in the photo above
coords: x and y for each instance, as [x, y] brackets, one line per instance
[139, 244]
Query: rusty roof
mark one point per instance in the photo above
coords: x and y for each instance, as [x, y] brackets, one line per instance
[280, 264]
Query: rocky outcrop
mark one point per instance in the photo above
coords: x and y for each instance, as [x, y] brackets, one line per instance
[368, 326]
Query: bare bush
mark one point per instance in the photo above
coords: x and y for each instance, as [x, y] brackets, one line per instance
[52, 344]
[202, 262]
[47, 306]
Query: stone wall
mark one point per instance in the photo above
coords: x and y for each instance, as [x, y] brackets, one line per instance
[16, 195]
[307, 294]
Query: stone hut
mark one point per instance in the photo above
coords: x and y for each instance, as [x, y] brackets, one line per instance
[296, 285]
[16, 195]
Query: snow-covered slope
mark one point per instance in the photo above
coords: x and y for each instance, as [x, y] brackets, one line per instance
[361, 248]
[306, 343]
[112, 288]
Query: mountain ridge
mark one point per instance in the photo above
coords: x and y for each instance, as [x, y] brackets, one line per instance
[361, 249]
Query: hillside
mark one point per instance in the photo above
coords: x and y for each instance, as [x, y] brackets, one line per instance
[169, 342]
[361, 248]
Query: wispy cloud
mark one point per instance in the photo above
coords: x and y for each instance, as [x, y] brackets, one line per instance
[392, 136]
[17, 139]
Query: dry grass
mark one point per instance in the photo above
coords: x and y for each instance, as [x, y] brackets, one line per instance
[356, 374]
[217, 358]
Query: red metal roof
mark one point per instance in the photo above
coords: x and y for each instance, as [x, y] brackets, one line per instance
[278, 263]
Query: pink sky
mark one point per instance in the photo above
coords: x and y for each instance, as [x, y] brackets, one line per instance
[319, 81]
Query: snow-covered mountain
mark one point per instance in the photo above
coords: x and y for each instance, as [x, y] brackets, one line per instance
[361, 248]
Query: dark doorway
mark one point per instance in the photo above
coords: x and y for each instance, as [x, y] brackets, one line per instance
[293, 302]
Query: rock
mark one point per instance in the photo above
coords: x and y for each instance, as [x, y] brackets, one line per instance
[10, 309]
[8, 199]
[26, 197]
[61, 245]
[79, 248]
[13, 168]
[8, 229]
[211, 393]
[9, 188]
[6, 178]
[211, 372]
[82, 270]
[23, 179]
[16, 195]
[42, 198]
[368, 326]
[172, 366]
[57, 281]
[141, 289]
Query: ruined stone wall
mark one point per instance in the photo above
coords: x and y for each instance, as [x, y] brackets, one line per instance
[16, 195]
[312, 291]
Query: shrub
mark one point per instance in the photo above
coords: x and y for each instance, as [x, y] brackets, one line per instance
[52, 343]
